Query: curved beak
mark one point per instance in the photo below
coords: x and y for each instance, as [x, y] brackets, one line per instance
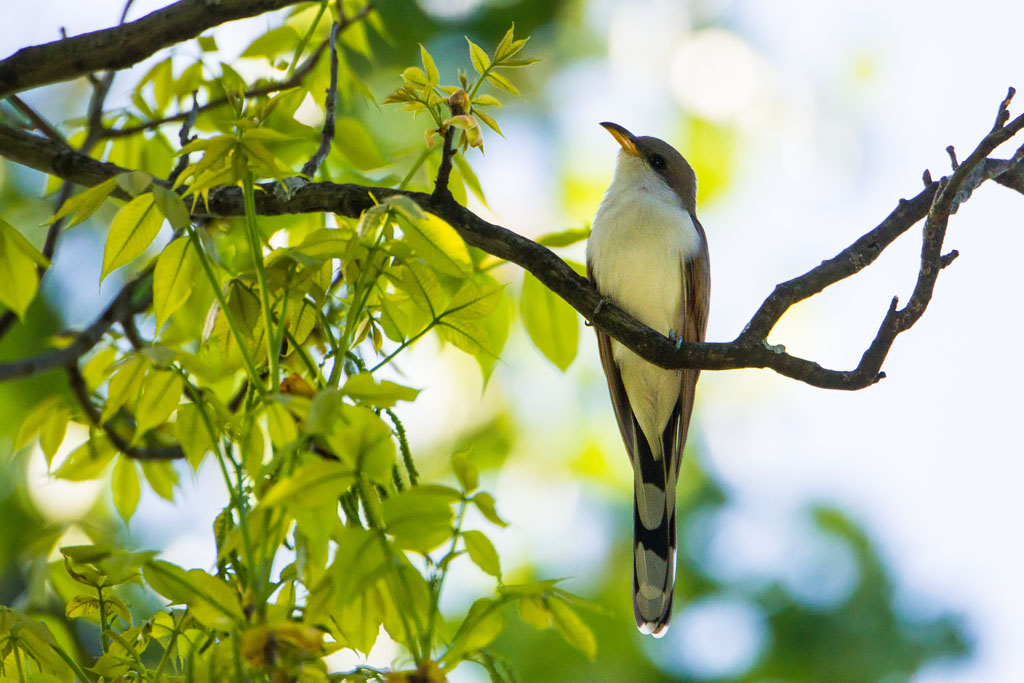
[623, 136]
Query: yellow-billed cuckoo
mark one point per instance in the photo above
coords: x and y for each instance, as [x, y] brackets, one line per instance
[647, 254]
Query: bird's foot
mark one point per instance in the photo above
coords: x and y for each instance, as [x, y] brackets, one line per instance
[600, 305]
[678, 340]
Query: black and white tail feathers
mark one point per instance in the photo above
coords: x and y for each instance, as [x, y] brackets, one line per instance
[654, 527]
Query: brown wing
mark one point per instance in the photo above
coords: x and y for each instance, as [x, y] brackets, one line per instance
[620, 402]
[697, 283]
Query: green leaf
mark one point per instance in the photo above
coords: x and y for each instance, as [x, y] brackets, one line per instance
[273, 42]
[131, 232]
[19, 281]
[356, 435]
[552, 324]
[490, 123]
[353, 140]
[172, 206]
[504, 48]
[85, 203]
[134, 182]
[35, 419]
[487, 101]
[125, 385]
[88, 461]
[212, 602]
[311, 485]
[572, 628]
[465, 472]
[433, 77]
[478, 630]
[499, 81]
[177, 270]
[280, 425]
[469, 177]
[207, 43]
[159, 398]
[161, 476]
[415, 79]
[482, 552]
[125, 486]
[481, 62]
[438, 243]
[534, 611]
[53, 429]
[191, 433]
[385, 394]
[564, 238]
[420, 518]
[485, 504]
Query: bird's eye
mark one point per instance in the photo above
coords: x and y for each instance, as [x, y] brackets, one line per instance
[656, 161]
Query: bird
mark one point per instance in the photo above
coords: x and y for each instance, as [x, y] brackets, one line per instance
[647, 254]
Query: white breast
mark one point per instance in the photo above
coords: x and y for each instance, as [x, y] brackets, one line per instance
[638, 244]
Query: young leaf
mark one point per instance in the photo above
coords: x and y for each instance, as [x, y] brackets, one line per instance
[465, 472]
[213, 603]
[132, 231]
[433, 77]
[485, 504]
[437, 243]
[159, 398]
[481, 62]
[85, 203]
[161, 476]
[482, 552]
[499, 81]
[385, 394]
[311, 485]
[19, 281]
[488, 121]
[175, 275]
[420, 518]
[572, 628]
[480, 627]
[125, 486]
[552, 324]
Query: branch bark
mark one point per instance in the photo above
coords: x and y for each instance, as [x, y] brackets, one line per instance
[124, 45]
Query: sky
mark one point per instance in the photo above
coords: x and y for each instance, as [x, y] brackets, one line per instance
[840, 107]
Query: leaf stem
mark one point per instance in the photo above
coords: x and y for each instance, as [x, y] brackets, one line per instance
[256, 245]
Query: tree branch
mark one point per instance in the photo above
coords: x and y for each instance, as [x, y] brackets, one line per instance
[81, 393]
[327, 135]
[749, 350]
[124, 45]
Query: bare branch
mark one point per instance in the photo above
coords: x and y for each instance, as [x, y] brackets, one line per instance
[327, 136]
[122, 46]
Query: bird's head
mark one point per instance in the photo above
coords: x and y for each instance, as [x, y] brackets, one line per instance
[644, 157]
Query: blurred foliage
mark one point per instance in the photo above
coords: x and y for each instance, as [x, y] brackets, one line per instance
[277, 372]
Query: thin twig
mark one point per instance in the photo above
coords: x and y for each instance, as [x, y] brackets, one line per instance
[81, 393]
[327, 135]
[184, 137]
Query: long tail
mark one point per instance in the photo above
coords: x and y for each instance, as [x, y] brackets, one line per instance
[654, 532]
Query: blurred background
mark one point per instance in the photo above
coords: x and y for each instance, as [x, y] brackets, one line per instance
[825, 536]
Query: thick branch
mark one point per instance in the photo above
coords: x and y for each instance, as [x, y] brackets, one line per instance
[122, 46]
[749, 350]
